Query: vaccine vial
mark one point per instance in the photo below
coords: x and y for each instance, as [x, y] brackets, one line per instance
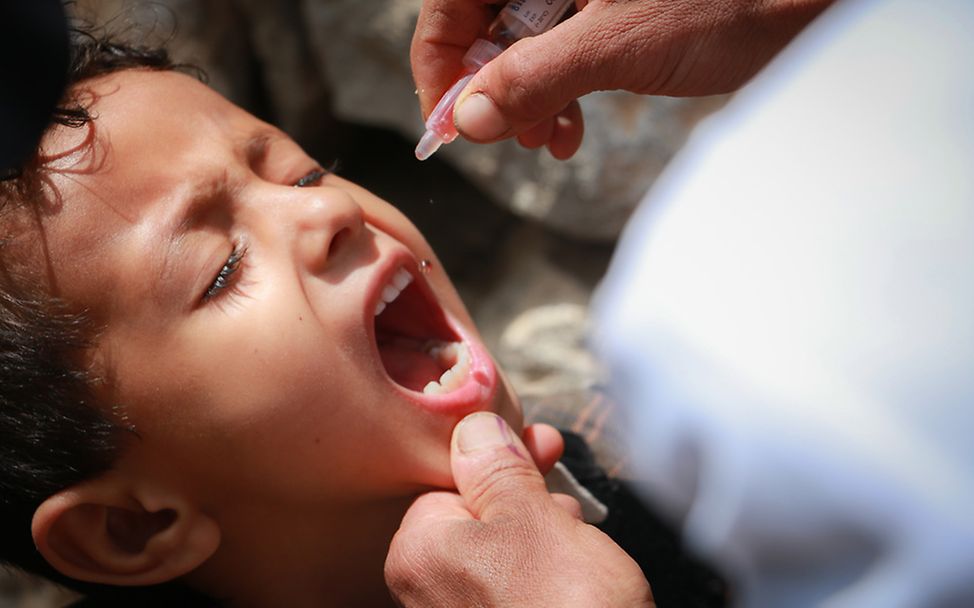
[522, 18]
[518, 19]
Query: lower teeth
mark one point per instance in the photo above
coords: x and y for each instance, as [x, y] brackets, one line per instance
[457, 356]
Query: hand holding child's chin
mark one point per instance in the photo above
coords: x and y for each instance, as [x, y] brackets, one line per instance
[503, 526]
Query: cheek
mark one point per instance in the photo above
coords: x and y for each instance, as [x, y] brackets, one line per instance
[228, 376]
[277, 402]
[391, 221]
[275, 368]
[265, 419]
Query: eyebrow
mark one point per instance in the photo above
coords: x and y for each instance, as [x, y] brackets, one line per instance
[190, 206]
[187, 210]
[257, 146]
[202, 196]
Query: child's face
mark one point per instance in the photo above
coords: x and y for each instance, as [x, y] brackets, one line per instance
[239, 310]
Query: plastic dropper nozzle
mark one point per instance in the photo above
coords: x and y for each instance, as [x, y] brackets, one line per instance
[428, 144]
[439, 125]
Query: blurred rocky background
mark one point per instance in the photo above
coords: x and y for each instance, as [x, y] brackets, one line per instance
[524, 236]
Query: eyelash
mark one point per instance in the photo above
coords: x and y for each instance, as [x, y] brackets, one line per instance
[226, 277]
[314, 177]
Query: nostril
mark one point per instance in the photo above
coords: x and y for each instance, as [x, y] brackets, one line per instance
[338, 240]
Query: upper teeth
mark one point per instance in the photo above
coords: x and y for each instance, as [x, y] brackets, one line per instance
[390, 292]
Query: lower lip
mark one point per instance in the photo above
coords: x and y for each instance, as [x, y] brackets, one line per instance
[477, 391]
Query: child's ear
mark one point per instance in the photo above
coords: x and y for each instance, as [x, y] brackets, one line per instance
[106, 531]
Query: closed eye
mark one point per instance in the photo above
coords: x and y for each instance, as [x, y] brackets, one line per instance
[315, 176]
[228, 274]
[311, 179]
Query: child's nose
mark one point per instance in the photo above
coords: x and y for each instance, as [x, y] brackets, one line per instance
[326, 222]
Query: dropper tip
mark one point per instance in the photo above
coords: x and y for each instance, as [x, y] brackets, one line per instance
[428, 144]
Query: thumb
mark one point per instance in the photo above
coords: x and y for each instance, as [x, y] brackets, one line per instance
[494, 472]
[538, 77]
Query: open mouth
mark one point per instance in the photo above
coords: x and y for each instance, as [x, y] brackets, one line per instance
[417, 346]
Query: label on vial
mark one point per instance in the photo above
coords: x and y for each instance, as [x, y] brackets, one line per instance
[538, 15]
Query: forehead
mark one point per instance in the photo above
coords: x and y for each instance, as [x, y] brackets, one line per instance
[144, 122]
[110, 179]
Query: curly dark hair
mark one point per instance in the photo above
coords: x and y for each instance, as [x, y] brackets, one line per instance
[51, 434]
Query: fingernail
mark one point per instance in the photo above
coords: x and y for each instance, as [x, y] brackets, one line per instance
[482, 431]
[479, 119]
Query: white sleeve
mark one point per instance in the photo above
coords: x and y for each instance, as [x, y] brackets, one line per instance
[789, 319]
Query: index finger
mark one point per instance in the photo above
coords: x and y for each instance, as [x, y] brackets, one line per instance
[444, 31]
[433, 509]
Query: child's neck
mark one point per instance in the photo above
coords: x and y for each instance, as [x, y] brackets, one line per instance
[315, 560]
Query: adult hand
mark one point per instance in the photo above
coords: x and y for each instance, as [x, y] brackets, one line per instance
[504, 540]
[659, 47]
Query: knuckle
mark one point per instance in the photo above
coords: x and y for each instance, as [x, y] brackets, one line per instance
[415, 558]
[436, 570]
[503, 480]
[434, 21]
[517, 79]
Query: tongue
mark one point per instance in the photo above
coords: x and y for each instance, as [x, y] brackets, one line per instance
[409, 367]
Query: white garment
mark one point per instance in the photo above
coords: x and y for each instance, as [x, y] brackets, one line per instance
[790, 319]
